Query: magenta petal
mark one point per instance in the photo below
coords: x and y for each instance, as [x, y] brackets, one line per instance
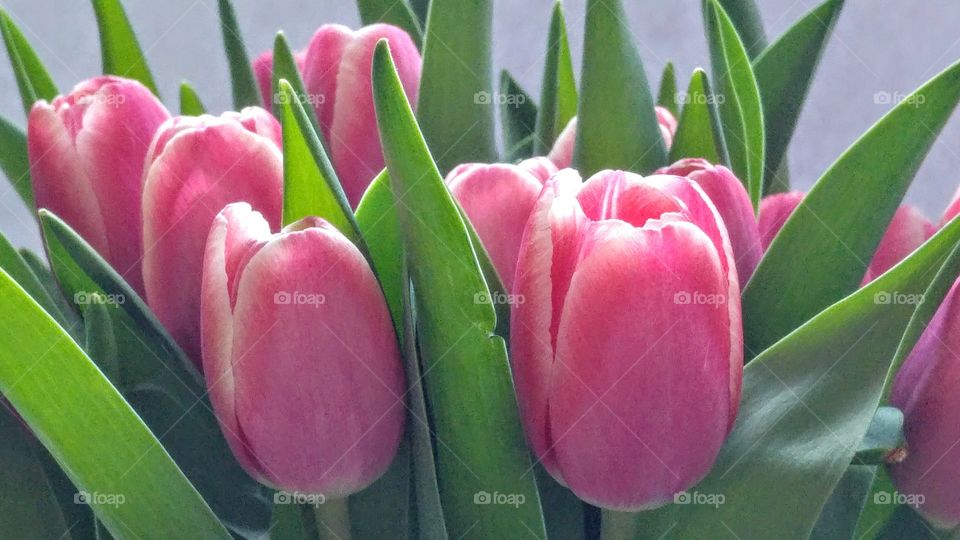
[562, 152]
[907, 231]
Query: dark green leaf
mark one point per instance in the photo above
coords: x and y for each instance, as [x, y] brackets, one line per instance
[749, 24]
[39, 267]
[33, 81]
[285, 68]
[18, 269]
[821, 253]
[287, 522]
[906, 523]
[558, 94]
[190, 104]
[616, 128]
[243, 83]
[456, 107]
[14, 161]
[481, 446]
[667, 96]
[518, 115]
[122, 55]
[395, 12]
[840, 513]
[699, 132]
[100, 343]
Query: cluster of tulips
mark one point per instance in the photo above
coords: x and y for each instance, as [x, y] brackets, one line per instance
[626, 332]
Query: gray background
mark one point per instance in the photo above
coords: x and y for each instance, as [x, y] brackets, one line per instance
[889, 46]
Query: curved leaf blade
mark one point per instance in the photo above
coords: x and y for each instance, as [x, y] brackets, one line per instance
[518, 116]
[14, 161]
[558, 93]
[699, 133]
[746, 17]
[667, 95]
[33, 80]
[242, 82]
[122, 55]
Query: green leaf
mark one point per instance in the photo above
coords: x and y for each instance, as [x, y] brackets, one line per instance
[395, 12]
[745, 16]
[518, 115]
[558, 94]
[14, 161]
[456, 107]
[738, 100]
[285, 68]
[12, 262]
[480, 446]
[885, 434]
[616, 128]
[784, 72]
[39, 268]
[801, 420]
[101, 343]
[699, 131]
[33, 81]
[667, 96]
[380, 226]
[243, 83]
[158, 380]
[286, 523]
[190, 104]
[905, 522]
[843, 508]
[822, 252]
[102, 444]
[122, 55]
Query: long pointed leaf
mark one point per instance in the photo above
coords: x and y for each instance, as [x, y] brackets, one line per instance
[33, 81]
[190, 104]
[243, 83]
[518, 116]
[14, 161]
[745, 15]
[667, 95]
[285, 68]
[122, 55]
[558, 94]
[699, 131]
[395, 12]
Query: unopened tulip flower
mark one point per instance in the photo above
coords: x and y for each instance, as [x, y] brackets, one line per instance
[562, 152]
[733, 203]
[925, 390]
[952, 209]
[336, 74]
[498, 200]
[774, 212]
[195, 167]
[629, 333]
[86, 153]
[299, 354]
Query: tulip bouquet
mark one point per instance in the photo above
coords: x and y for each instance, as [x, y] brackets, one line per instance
[354, 307]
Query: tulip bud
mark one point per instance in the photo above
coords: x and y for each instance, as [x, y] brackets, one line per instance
[925, 390]
[299, 354]
[498, 200]
[86, 152]
[952, 209]
[562, 152]
[589, 362]
[733, 204]
[774, 212]
[195, 167]
[336, 75]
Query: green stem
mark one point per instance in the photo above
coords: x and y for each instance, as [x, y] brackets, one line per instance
[615, 525]
[333, 519]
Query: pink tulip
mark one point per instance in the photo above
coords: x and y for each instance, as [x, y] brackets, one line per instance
[86, 153]
[299, 354]
[952, 209]
[562, 152]
[195, 167]
[336, 73]
[774, 212]
[733, 203]
[628, 333]
[498, 200]
[925, 390]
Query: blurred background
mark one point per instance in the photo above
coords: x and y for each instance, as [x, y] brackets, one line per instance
[880, 47]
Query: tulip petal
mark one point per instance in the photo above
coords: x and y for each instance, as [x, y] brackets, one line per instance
[321, 71]
[907, 231]
[775, 210]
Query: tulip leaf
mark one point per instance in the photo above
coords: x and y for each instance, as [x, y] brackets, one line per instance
[17, 268]
[784, 72]
[746, 18]
[190, 104]
[33, 80]
[699, 132]
[157, 378]
[122, 55]
[456, 107]
[518, 115]
[738, 100]
[616, 128]
[480, 447]
[310, 185]
[285, 68]
[101, 343]
[879, 508]
[243, 83]
[667, 95]
[558, 94]
[39, 268]
[14, 161]
[905, 522]
[133, 485]
[380, 226]
[822, 252]
[801, 420]
[396, 12]
[842, 510]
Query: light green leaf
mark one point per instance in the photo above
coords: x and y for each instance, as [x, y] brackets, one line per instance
[738, 100]
[456, 108]
[395, 12]
[101, 343]
[801, 419]
[14, 161]
[190, 104]
[33, 81]
[482, 446]
[667, 96]
[40, 269]
[616, 128]
[822, 252]
[285, 68]
[122, 55]
[243, 83]
[18, 269]
[518, 116]
[784, 72]
[699, 131]
[745, 16]
[558, 94]
[92, 432]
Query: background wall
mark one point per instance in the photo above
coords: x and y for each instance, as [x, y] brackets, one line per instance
[889, 46]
